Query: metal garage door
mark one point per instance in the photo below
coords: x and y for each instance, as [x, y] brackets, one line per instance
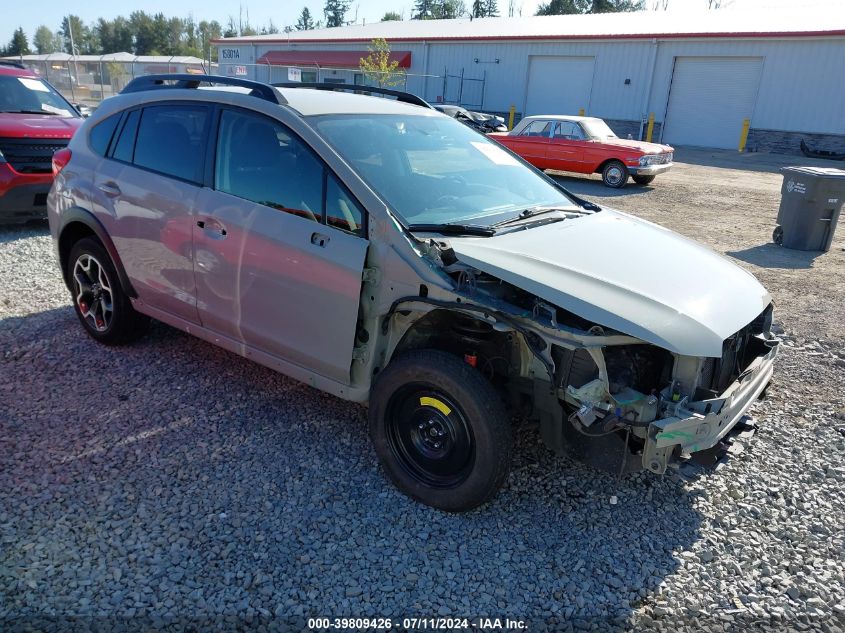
[558, 85]
[709, 98]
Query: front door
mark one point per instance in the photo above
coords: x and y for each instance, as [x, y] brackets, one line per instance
[145, 192]
[567, 147]
[533, 143]
[279, 248]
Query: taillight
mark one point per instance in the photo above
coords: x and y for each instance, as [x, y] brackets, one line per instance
[60, 159]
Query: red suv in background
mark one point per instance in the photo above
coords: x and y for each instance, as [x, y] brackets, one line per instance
[35, 122]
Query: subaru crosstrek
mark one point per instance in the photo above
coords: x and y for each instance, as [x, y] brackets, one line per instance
[35, 122]
[387, 254]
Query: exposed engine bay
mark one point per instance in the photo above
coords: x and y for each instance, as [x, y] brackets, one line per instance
[607, 398]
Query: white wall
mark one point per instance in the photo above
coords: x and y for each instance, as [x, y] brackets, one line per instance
[802, 87]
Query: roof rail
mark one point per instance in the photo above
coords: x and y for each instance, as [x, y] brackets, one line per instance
[159, 82]
[9, 62]
[404, 97]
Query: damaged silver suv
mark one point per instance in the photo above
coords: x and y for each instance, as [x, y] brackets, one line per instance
[387, 254]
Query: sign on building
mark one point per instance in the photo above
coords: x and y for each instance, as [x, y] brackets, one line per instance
[294, 74]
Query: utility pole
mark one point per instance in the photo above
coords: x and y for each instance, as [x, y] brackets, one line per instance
[73, 54]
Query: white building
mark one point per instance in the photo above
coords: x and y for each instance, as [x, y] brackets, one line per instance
[700, 75]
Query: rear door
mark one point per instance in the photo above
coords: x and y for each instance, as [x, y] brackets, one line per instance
[279, 247]
[144, 193]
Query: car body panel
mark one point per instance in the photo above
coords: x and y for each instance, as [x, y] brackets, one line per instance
[269, 281]
[155, 250]
[598, 268]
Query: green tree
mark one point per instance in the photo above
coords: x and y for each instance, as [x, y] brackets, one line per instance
[44, 40]
[305, 21]
[378, 68]
[115, 36]
[616, 6]
[448, 9]
[424, 10]
[207, 31]
[477, 8]
[84, 40]
[491, 9]
[391, 16]
[19, 44]
[562, 7]
[335, 12]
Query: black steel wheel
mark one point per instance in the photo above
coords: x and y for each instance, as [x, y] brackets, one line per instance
[102, 307]
[440, 430]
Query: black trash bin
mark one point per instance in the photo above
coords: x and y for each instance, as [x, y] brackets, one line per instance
[810, 204]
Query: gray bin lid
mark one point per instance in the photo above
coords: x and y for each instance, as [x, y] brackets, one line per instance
[825, 173]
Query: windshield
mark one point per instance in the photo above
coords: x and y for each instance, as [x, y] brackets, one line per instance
[32, 95]
[598, 129]
[436, 170]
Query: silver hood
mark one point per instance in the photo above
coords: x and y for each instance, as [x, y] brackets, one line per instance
[627, 274]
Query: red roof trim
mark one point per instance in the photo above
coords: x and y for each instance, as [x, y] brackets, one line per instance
[629, 36]
[327, 59]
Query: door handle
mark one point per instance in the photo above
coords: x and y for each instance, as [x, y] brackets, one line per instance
[318, 239]
[212, 226]
[109, 188]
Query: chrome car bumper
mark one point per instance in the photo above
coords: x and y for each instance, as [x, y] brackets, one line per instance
[650, 170]
[697, 426]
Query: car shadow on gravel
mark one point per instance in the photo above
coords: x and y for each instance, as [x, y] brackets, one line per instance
[774, 256]
[589, 186]
[12, 232]
[170, 476]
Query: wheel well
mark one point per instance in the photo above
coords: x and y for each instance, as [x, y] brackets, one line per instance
[495, 354]
[71, 234]
[604, 163]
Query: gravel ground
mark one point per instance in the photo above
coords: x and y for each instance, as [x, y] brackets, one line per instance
[172, 479]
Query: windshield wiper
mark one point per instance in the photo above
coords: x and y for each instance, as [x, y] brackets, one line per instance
[528, 213]
[454, 229]
[29, 112]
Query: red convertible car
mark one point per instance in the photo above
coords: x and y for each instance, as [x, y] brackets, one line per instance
[586, 145]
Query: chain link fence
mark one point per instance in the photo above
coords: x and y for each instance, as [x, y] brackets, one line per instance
[88, 79]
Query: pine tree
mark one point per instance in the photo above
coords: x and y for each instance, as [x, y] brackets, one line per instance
[424, 10]
[491, 9]
[305, 21]
[335, 12]
[478, 8]
[19, 44]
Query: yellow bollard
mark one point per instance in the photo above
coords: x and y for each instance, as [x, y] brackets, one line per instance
[650, 130]
[743, 137]
[511, 114]
[581, 112]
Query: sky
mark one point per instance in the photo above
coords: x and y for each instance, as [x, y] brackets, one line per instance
[285, 12]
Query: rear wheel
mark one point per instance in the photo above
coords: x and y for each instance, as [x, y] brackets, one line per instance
[642, 180]
[615, 174]
[98, 299]
[440, 430]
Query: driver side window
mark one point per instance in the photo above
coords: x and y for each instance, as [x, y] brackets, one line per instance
[537, 128]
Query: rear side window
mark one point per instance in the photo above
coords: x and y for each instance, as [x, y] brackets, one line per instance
[171, 140]
[537, 128]
[126, 141]
[101, 134]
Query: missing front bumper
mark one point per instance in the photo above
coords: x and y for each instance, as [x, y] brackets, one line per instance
[688, 431]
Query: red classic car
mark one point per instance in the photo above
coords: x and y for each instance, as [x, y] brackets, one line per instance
[586, 145]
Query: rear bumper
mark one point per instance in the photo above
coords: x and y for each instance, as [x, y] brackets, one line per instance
[650, 170]
[23, 196]
[689, 429]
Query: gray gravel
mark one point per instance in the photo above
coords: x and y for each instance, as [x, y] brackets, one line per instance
[170, 478]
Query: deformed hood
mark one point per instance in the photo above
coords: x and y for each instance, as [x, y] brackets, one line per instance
[627, 274]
